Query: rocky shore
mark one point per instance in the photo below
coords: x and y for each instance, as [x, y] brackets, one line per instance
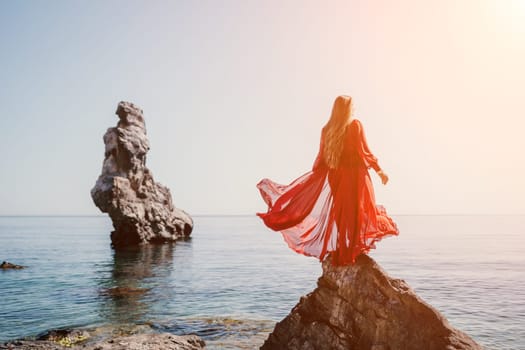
[360, 307]
[135, 338]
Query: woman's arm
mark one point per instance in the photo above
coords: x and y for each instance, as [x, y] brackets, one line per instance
[383, 176]
[366, 154]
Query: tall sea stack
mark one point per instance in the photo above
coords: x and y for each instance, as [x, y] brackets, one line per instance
[142, 210]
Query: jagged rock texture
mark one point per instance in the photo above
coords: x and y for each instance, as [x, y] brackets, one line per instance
[142, 210]
[162, 341]
[360, 307]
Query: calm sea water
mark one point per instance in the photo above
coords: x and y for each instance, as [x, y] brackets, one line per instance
[234, 279]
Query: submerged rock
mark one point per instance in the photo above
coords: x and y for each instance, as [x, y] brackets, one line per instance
[123, 292]
[142, 210]
[361, 307]
[5, 265]
[65, 337]
[163, 341]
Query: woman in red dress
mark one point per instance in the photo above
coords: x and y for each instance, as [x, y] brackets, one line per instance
[332, 208]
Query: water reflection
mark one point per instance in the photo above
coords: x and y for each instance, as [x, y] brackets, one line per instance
[130, 288]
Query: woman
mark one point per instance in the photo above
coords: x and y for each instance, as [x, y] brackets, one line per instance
[331, 209]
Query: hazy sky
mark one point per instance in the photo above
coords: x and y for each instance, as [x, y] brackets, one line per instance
[234, 91]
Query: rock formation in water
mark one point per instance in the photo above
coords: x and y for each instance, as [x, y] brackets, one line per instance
[5, 265]
[360, 307]
[141, 209]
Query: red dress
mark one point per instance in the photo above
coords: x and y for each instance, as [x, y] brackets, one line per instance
[330, 210]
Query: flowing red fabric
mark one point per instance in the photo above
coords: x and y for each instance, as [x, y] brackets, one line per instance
[330, 210]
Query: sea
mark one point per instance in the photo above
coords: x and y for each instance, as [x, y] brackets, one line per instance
[234, 279]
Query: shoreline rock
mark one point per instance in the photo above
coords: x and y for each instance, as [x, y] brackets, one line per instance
[141, 209]
[360, 307]
[141, 338]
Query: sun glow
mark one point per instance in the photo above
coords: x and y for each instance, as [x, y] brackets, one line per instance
[510, 14]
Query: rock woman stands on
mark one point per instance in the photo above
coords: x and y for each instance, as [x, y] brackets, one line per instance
[332, 208]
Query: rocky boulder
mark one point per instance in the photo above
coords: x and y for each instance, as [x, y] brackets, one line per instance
[5, 265]
[142, 210]
[360, 307]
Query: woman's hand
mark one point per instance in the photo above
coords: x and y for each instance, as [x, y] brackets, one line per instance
[383, 176]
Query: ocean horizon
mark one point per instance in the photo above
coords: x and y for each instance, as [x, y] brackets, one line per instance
[222, 285]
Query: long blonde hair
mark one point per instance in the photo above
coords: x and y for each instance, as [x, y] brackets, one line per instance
[334, 130]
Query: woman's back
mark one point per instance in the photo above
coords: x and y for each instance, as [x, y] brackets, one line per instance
[350, 154]
[355, 151]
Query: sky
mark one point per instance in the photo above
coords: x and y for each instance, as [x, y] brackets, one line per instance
[236, 91]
